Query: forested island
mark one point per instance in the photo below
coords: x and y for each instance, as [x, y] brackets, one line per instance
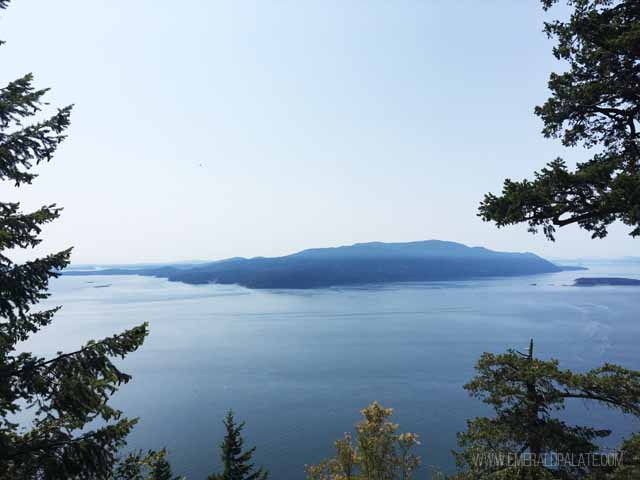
[611, 281]
[359, 264]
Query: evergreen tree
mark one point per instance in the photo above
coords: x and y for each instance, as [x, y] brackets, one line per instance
[594, 103]
[152, 465]
[628, 468]
[161, 468]
[236, 463]
[66, 393]
[525, 392]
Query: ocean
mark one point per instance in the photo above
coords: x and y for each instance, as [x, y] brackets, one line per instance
[299, 365]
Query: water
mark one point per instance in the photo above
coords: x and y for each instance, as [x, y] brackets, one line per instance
[299, 365]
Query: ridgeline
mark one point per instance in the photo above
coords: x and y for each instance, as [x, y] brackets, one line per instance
[359, 264]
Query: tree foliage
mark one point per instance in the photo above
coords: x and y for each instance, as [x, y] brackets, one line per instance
[236, 462]
[526, 394]
[629, 467]
[64, 394]
[161, 468]
[380, 452]
[144, 466]
[595, 103]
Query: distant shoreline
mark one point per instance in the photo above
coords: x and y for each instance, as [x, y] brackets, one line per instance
[605, 281]
[359, 264]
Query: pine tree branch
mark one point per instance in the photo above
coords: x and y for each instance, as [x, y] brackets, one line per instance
[599, 398]
[48, 363]
[44, 445]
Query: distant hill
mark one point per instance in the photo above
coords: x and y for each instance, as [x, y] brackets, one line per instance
[362, 263]
[611, 281]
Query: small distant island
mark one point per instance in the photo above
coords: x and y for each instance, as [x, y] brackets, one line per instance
[611, 281]
[359, 264]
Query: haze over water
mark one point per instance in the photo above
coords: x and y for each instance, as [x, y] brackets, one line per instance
[299, 365]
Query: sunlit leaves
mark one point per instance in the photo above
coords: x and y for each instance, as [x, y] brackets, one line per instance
[379, 452]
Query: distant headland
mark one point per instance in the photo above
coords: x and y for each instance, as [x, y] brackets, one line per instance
[362, 263]
[612, 281]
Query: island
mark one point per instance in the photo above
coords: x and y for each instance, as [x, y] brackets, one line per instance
[359, 264]
[611, 281]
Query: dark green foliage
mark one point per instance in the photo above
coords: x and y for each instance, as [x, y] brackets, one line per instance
[161, 469]
[149, 466]
[525, 392]
[595, 103]
[134, 466]
[66, 393]
[629, 469]
[236, 463]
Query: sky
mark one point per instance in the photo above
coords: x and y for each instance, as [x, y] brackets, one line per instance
[212, 129]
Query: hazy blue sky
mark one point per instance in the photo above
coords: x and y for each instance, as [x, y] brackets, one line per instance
[209, 129]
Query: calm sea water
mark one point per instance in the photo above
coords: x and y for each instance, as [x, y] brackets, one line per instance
[299, 365]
